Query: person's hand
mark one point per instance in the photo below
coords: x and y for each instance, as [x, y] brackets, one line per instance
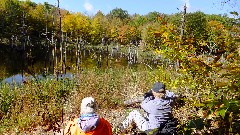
[148, 94]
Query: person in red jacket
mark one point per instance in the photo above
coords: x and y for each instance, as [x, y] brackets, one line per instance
[89, 123]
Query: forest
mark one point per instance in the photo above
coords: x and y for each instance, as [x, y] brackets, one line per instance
[204, 47]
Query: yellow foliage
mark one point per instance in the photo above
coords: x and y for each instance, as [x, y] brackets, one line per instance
[75, 23]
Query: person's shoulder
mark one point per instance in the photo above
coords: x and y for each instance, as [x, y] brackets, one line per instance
[104, 120]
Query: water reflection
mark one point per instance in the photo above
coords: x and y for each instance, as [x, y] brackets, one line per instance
[19, 78]
[16, 79]
[41, 61]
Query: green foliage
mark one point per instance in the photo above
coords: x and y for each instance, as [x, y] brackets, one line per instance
[137, 20]
[223, 19]
[6, 98]
[38, 18]
[34, 104]
[12, 17]
[208, 84]
[77, 25]
[97, 29]
[206, 65]
[196, 28]
[175, 19]
[41, 17]
[119, 13]
[152, 16]
[148, 35]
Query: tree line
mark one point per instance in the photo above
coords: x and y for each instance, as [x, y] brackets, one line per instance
[40, 21]
[205, 48]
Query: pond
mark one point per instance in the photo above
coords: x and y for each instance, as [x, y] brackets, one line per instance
[18, 64]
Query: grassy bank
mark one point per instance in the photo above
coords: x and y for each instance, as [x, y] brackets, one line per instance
[41, 103]
[33, 104]
[46, 103]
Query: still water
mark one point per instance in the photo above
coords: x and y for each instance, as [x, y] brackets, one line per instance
[18, 64]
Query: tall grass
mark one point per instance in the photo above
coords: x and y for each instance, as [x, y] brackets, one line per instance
[35, 103]
[47, 103]
[110, 87]
[44, 103]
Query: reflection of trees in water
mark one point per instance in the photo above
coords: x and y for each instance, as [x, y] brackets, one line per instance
[45, 59]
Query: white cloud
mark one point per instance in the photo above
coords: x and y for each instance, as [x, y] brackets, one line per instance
[88, 6]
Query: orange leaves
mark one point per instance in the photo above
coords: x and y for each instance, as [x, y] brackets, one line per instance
[190, 40]
[196, 61]
[122, 34]
[215, 25]
[161, 34]
[127, 33]
[157, 34]
[218, 35]
[132, 32]
[229, 56]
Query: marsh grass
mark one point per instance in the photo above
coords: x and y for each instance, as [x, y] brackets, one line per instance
[45, 103]
[32, 104]
[50, 102]
[110, 87]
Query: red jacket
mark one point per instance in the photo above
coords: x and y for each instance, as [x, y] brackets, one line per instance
[103, 128]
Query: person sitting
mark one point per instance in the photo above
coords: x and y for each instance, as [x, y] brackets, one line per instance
[157, 104]
[89, 123]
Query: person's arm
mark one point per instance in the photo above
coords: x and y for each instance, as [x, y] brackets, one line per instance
[133, 101]
[148, 105]
[148, 94]
[170, 95]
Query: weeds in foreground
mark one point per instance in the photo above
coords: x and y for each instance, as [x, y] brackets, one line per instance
[33, 104]
[45, 103]
[49, 102]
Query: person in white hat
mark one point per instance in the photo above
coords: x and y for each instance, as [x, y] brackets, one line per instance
[89, 122]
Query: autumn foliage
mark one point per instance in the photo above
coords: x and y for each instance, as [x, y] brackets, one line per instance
[205, 61]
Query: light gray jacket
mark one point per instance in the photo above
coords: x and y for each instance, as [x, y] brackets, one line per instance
[159, 109]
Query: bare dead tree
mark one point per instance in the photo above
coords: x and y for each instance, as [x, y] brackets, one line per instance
[183, 21]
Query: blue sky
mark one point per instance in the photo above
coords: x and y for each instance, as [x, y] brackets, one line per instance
[90, 7]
